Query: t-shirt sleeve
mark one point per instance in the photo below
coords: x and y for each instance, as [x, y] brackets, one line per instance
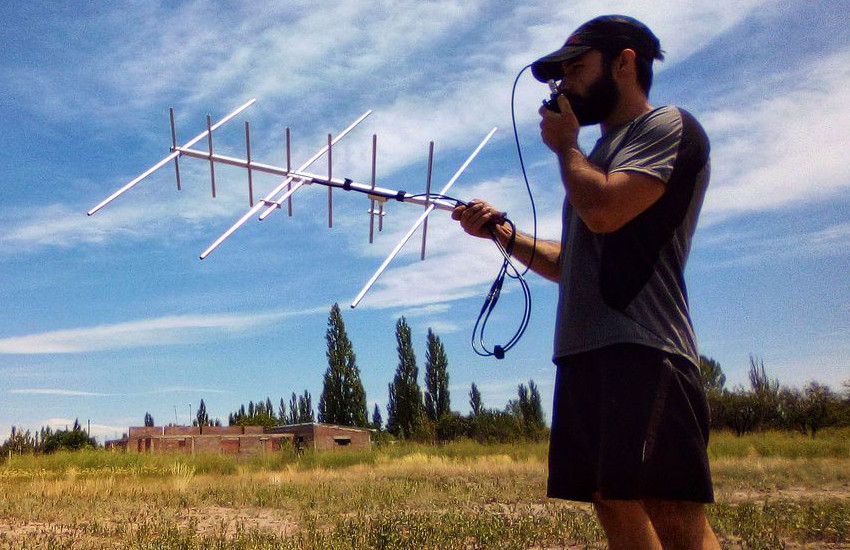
[652, 145]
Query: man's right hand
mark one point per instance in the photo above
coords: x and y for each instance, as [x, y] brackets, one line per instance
[475, 217]
[479, 217]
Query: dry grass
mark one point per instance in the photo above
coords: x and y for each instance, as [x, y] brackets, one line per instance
[458, 497]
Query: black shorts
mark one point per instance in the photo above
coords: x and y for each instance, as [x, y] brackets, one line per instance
[629, 422]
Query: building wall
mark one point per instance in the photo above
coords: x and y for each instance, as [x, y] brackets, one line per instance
[246, 440]
[243, 440]
[327, 437]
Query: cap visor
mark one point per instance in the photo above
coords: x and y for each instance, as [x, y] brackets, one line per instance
[549, 67]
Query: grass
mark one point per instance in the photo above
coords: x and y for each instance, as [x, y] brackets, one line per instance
[774, 491]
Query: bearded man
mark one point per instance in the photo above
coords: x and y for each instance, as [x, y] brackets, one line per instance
[630, 420]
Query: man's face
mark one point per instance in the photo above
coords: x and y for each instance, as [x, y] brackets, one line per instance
[590, 87]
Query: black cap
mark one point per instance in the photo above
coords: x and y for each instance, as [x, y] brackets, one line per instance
[609, 34]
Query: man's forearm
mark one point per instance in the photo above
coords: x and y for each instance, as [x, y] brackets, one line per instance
[585, 185]
[546, 254]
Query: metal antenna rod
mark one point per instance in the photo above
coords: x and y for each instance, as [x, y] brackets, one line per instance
[330, 177]
[174, 145]
[212, 163]
[168, 159]
[427, 196]
[287, 182]
[250, 172]
[372, 199]
[419, 221]
[289, 166]
[274, 205]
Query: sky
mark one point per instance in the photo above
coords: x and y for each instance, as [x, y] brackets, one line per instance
[111, 316]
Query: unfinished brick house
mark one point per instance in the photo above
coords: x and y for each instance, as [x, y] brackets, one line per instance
[241, 440]
[325, 437]
[246, 440]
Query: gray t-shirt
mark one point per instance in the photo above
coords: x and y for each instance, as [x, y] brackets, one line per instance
[628, 286]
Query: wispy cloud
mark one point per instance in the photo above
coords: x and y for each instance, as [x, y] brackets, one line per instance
[751, 246]
[57, 392]
[383, 52]
[769, 158]
[163, 331]
[457, 266]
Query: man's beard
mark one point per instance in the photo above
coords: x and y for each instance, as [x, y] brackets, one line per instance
[599, 101]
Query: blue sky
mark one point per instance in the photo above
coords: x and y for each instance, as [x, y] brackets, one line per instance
[111, 316]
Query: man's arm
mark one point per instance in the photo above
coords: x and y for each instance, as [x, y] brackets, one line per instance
[605, 202]
[479, 217]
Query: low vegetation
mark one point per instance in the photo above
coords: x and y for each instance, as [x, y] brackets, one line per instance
[775, 490]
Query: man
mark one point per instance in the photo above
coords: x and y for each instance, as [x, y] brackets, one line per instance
[630, 421]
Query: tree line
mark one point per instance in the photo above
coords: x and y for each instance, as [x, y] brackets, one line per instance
[768, 405]
[411, 412]
[46, 441]
[426, 415]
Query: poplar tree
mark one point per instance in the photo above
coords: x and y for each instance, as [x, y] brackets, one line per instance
[377, 419]
[531, 409]
[437, 402]
[293, 410]
[305, 408]
[476, 405]
[343, 400]
[201, 417]
[405, 409]
[281, 411]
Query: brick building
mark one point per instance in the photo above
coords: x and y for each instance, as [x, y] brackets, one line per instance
[325, 437]
[241, 440]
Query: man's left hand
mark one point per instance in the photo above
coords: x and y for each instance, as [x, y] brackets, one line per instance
[559, 131]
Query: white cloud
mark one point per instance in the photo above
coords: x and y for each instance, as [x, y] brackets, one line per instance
[57, 392]
[682, 27]
[752, 246]
[383, 52]
[457, 266]
[787, 147]
[150, 210]
[161, 331]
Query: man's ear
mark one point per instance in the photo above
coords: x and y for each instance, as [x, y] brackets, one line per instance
[625, 61]
[624, 66]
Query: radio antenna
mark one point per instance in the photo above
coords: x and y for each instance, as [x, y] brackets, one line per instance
[294, 180]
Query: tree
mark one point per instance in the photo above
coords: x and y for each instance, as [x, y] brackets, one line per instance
[67, 440]
[343, 400]
[531, 410]
[20, 442]
[148, 420]
[201, 417]
[437, 400]
[820, 407]
[305, 408]
[844, 411]
[261, 414]
[377, 419]
[765, 392]
[293, 410]
[281, 411]
[405, 409]
[475, 402]
[714, 382]
[712, 375]
[741, 411]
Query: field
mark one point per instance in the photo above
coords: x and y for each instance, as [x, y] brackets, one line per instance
[774, 491]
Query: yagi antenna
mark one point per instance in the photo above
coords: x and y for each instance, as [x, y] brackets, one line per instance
[293, 180]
